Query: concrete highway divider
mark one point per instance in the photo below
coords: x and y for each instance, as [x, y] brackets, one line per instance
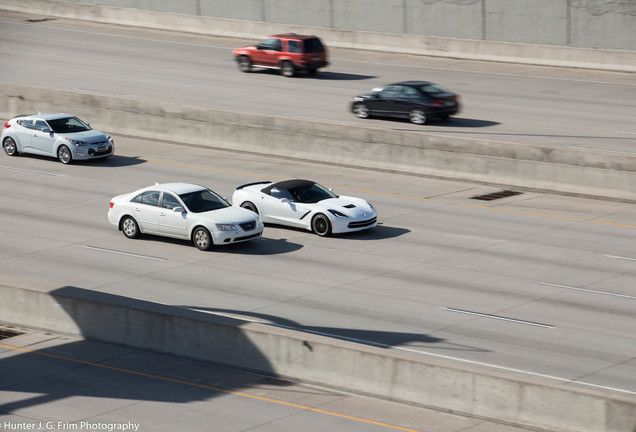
[527, 167]
[408, 377]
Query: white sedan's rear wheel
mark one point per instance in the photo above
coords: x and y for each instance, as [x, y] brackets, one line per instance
[130, 228]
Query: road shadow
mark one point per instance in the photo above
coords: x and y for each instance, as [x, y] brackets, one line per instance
[379, 232]
[453, 122]
[258, 246]
[320, 75]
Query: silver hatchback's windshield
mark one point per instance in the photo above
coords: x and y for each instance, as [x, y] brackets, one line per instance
[68, 125]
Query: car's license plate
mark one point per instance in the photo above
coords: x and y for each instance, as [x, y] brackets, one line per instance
[101, 148]
[315, 58]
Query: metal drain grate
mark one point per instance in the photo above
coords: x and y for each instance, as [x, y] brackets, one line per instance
[496, 195]
[6, 334]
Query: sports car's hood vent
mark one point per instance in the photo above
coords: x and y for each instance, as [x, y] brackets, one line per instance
[350, 206]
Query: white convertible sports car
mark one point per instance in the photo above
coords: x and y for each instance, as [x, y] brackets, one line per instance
[184, 211]
[305, 204]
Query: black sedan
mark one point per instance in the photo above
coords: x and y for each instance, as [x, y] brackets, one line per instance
[417, 101]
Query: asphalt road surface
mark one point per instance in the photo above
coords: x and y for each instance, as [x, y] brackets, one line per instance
[538, 283]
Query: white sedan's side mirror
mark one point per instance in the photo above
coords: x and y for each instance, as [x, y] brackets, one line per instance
[178, 209]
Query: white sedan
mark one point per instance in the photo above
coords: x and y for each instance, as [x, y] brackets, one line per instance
[184, 211]
[61, 136]
[305, 204]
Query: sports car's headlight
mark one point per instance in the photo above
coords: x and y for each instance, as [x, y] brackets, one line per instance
[76, 142]
[226, 227]
[336, 213]
[371, 205]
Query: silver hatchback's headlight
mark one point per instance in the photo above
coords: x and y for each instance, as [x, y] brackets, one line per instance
[76, 143]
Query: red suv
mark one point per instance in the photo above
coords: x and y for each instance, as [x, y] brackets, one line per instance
[288, 53]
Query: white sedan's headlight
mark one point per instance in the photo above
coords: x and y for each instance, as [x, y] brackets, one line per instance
[226, 227]
[76, 142]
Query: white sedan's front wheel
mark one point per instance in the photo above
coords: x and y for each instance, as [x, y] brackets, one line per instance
[202, 239]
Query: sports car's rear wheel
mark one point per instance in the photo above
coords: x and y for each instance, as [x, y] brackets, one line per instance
[244, 64]
[248, 205]
[321, 225]
[417, 116]
[130, 228]
[202, 239]
[287, 69]
[10, 147]
[64, 154]
[361, 110]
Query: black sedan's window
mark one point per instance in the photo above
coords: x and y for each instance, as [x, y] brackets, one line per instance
[203, 201]
[433, 89]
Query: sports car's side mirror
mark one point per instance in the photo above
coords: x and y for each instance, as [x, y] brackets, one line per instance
[46, 130]
[285, 200]
[178, 209]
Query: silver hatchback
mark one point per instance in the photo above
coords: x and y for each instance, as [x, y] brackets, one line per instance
[62, 136]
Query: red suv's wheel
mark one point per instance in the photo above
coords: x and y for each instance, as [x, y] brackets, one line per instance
[244, 64]
[287, 69]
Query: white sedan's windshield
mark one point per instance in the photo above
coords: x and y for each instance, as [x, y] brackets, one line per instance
[203, 200]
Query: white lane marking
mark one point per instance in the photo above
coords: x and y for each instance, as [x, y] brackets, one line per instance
[625, 132]
[123, 253]
[620, 257]
[385, 346]
[33, 171]
[498, 317]
[588, 290]
[601, 150]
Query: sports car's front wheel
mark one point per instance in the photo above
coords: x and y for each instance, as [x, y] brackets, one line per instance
[249, 206]
[10, 146]
[202, 239]
[321, 225]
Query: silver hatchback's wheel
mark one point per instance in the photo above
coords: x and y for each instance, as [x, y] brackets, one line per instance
[10, 146]
[130, 228]
[287, 69]
[64, 154]
[417, 116]
[244, 64]
[202, 239]
[361, 110]
[321, 225]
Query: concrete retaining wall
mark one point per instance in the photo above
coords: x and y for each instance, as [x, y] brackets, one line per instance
[514, 165]
[447, 42]
[396, 375]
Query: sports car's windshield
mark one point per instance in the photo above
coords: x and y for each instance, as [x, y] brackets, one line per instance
[68, 125]
[311, 193]
[203, 200]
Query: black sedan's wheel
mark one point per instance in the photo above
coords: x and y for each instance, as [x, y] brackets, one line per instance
[10, 146]
[361, 110]
[417, 116]
[249, 206]
[287, 69]
[321, 225]
[130, 228]
[64, 154]
[202, 239]
[244, 64]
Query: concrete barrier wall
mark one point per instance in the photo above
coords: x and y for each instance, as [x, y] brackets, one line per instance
[458, 41]
[396, 375]
[498, 163]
